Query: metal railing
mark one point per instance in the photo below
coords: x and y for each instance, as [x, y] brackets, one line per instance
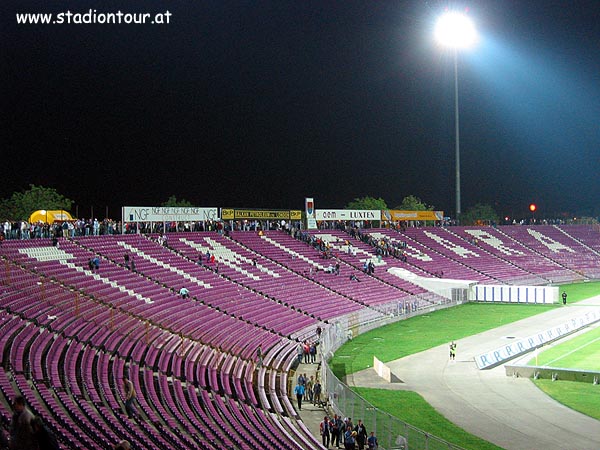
[392, 433]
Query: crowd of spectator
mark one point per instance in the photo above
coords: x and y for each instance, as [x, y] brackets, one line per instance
[335, 431]
[95, 227]
[383, 246]
[72, 228]
[307, 351]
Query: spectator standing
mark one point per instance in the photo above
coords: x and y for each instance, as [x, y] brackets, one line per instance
[401, 442]
[372, 443]
[130, 395]
[259, 356]
[44, 437]
[309, 389]
[306, 352]
[299, 391]
[341, 430]
[21, 431]
[349, 438]
[299, 352]
[184, 292]
[324, 430]
[313, 352]
[317, 393]
[336, 424]
[361, 434]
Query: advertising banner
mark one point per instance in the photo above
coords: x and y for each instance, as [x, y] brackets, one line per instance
[309, 208]
[168, 214]
[396, 215]
[259, 214]
[518, 347]
[348, 214]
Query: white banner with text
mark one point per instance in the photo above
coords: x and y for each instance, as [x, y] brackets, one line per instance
[511, 350]
[348, 214]
[168, 214]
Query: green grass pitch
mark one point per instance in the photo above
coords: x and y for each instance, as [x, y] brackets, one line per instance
[423, 332]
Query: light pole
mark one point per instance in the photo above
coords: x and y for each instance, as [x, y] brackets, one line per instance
[456, 31]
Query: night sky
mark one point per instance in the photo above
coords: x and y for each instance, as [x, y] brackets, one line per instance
[261, 103]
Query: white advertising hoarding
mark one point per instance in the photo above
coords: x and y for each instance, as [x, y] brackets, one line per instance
[516, 348]
[348, 214]
[168, 214]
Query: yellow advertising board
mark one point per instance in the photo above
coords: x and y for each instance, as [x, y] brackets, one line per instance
[260, 214]
[397, 215]
[227, 214]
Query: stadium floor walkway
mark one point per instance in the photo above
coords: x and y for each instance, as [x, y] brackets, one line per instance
[509, 412]
[311, 415]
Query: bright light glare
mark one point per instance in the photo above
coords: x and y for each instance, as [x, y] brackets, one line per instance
[455, 30]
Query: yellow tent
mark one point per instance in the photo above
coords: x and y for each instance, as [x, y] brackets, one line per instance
[49, 216]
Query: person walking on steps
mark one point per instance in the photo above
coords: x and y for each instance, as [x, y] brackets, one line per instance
[130, 395]
[299, 391]
[324, 430]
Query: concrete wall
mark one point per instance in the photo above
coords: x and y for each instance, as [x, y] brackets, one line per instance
[586, 376]
[382, 370]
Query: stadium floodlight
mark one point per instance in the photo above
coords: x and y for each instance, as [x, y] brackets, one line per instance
[456, 31]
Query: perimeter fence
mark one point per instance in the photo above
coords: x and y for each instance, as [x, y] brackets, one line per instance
[392, 433]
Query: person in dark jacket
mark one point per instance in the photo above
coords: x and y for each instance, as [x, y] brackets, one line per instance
[361, 434]
[21, 432]
[44, 437]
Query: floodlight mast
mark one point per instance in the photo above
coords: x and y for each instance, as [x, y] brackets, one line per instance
[456, 31]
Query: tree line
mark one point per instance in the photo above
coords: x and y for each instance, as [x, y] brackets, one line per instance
[480, 214]
[20, 205]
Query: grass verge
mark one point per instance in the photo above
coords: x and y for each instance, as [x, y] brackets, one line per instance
[416, 411]
[580, 291]
[582, 397]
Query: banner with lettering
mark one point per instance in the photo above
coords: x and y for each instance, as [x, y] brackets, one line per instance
[396, 215]
[260, 214]
[348, 214]
[518, 347]
[168, 214]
